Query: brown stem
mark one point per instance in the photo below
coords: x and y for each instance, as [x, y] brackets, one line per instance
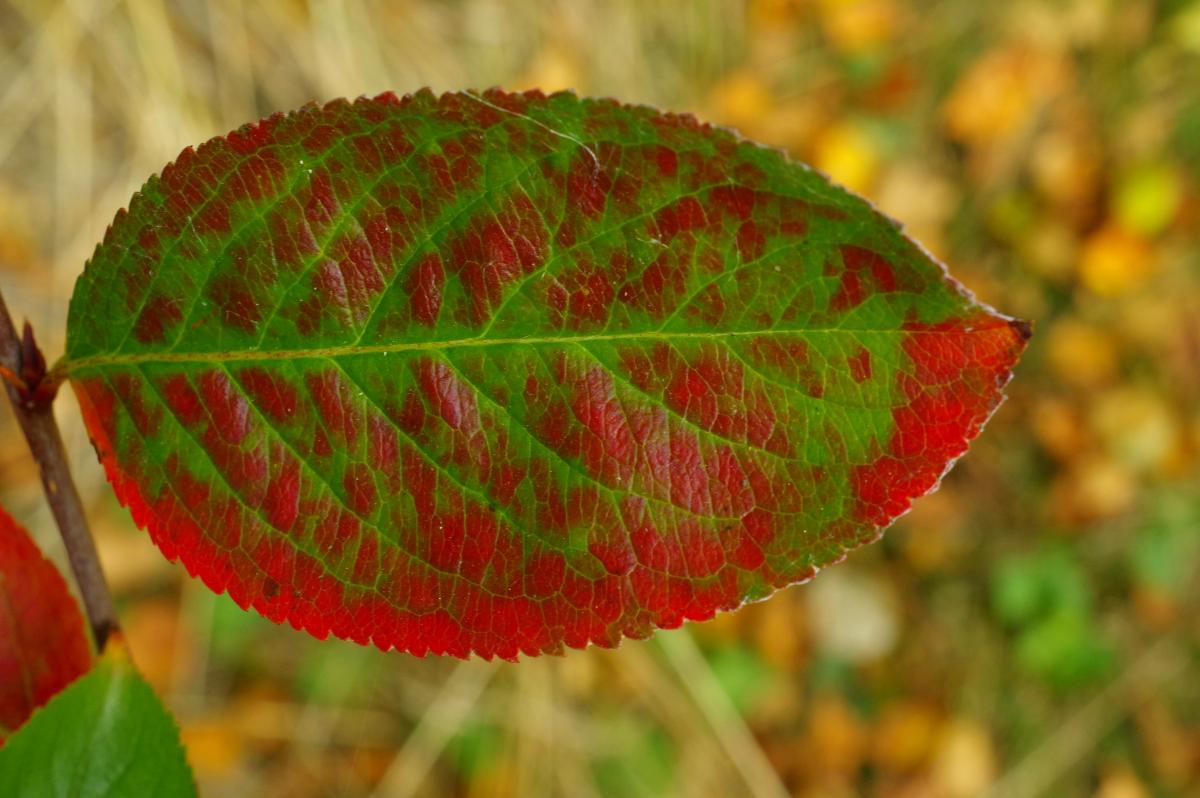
[31, 394]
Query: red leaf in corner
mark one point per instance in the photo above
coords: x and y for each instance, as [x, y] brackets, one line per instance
[43, 640]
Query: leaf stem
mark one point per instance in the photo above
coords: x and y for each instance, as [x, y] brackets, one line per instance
[31, 394]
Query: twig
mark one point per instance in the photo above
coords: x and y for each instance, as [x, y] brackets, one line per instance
[31, 394]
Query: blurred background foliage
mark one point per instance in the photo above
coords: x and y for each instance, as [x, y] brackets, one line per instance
[1031, 629]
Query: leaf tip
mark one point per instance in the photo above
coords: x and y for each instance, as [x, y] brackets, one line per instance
[1022, 328]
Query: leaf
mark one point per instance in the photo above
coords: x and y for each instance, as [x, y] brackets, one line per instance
[506, 373]
[43, 640]
[105, 736]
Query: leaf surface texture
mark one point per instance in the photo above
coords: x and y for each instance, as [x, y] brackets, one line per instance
[503, 373]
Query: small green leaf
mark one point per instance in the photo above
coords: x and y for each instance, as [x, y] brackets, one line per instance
[105, 736]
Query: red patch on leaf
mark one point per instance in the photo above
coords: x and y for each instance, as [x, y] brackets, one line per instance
[362, 278]
[453, 400]
[506, 481]
[960, 366]
[322, 206]
[684, 216]
[159, 315]
[425, 289]
[751, 242]
[213, 219]
[271, 394]
[588, 185]
[282, 502]
[183, 400]
[863, 274]
[738, 201]
[226, 405]
[383, 448]
[251, 137]
[256, 177]
[494, 252]
[860, 365]
[668, 164]
[359, 485]
[236, 304]
[336, 405]
[589, 296]
[610, 452]
[146, 416]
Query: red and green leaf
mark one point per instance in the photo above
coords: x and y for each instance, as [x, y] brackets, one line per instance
[43, 641]
[506, 373]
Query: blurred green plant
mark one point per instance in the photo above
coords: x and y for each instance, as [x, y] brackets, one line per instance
[1046, 599]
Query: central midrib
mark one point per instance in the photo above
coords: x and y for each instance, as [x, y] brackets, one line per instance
[68, 365]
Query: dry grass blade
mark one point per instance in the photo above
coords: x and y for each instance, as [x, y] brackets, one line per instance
[722, 716]
[443, 717]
